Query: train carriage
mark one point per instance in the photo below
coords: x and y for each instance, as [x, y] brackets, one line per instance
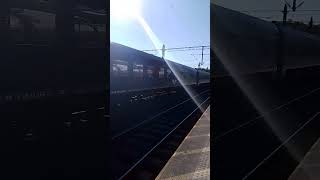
[131, 69]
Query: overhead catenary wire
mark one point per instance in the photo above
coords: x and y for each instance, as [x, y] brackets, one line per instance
[302, 15]
[278, 10]
[203, 48]
[201, 54]
[181, 48]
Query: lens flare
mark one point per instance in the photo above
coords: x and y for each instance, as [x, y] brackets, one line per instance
[158, 45]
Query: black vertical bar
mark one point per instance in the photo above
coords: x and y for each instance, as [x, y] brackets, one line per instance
[4, 23]
[65, 22]
[279, 53]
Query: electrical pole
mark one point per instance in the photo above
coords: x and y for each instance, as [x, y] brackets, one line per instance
[202, 55]
[294, 5]
[285, 13]
[163, 51]
[197, 75]
[310, 23]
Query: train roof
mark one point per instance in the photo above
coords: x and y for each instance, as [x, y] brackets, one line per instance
[130, 53]
[233, 29]
[252, 26]
[88, 9]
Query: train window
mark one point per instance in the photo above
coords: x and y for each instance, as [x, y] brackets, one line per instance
[31, 26]
[88, 31]
[161, 73]
[120, 68]
[80, 27]
[40, 25]
[83, 25]
[149, 71]
[138, 70]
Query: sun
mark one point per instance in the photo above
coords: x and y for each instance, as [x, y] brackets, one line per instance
[125, 9]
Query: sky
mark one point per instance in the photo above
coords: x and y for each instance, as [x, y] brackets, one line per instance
[176, 23]
[275, 5]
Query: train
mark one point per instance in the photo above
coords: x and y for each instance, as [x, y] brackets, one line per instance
[147, 90]
[53, 96]
[51, 48]
[134, 70]
[245, 45]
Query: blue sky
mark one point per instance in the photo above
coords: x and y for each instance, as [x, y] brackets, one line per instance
[176, 23]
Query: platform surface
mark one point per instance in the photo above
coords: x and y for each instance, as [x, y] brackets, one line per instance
[309, 167]
[192, 158]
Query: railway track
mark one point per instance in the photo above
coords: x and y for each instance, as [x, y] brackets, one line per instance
[144, 105]
[64, 132]
[145, 137]
[270, 145]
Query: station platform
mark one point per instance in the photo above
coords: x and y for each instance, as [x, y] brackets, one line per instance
[192, 158]
[309, 167]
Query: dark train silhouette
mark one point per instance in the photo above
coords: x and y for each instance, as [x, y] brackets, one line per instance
[54, 64]
[246, 45]
[133, 70]
[52, 48]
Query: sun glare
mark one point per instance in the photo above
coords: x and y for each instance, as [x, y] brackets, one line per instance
[131, 9]
[158, 44]
[125, 9]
